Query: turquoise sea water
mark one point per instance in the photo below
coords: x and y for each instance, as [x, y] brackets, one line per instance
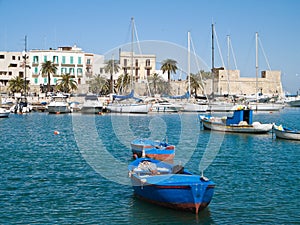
[80, 175]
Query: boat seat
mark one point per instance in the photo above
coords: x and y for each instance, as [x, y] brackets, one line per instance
[177, 169]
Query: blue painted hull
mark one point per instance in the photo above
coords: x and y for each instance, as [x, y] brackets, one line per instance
[153, 149]
[182, 191]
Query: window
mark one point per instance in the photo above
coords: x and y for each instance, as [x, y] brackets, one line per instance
[136, 62]
[55, 59]
[45, 58]
[71, 71]
[35, 59]
[55, 80]
[36, 70]
[88, 61]
[147, 62]
[125, 62]
[79, 71]
[45, 80]
[71, 59]
[63, 60]
[36, 80]
[2, 56]
[79, 60]
[13, 57]
[63, 70]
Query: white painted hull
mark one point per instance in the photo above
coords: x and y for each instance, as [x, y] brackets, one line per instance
[287, 135]
[256, 128]
[128, 108]
[166, 107]
[192, 107]
[295, 103]
[4, 113]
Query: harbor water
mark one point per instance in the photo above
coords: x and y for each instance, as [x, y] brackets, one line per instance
[72, 169]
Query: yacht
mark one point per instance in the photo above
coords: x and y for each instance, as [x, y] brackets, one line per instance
[91, 105]
[59, 104]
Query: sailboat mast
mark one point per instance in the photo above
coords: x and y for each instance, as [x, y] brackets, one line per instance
[189, 63]
[132, 34]
[212, 60]
[25, 58]
[256, 65]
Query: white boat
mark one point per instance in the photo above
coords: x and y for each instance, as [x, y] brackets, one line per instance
[286, 133]
[59, 105]
[165, 106]
[117, 107]
[4, 113]
[91, 105]
[193, 107]
[266, 106]
[240, 122]
[21, 106]
[220, 106]
[293, 101]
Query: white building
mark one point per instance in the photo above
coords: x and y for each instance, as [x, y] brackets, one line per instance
[68, 60]
[11, 65]
[142, 65]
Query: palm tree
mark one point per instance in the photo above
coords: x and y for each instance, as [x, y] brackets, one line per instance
[111, 67]
[123, 82]
[66, 84]
[17, 84]
[154, 81]
[195, 82]
[48, 68]
[170, 66]
[99, 84]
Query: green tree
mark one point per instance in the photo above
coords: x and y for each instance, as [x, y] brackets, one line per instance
[170, 66]
[155, 83]
[17, 84]
[123, 82]
[48, 68]
[111, 67]
[99, 84]
[66, 84]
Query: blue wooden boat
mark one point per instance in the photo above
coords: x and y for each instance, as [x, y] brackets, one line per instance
[286, 133]
[170, 185]
[160, 150]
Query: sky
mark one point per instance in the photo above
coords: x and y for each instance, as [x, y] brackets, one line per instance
[102, 26]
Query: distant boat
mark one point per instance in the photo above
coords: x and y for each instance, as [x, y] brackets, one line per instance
[4, 113]
[21, 106]
[240, 122]
[163, 105]
[59, 104]
[91, 105]
[286, 133]
[170, 185]
[118, 107]
[159, 150]
[294, 102]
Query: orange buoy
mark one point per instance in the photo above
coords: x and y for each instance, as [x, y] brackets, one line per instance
[56, 132]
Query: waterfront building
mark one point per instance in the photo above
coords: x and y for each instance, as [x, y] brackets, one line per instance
[143, 65]
[11, 65]
[68, 60]
[230, 82]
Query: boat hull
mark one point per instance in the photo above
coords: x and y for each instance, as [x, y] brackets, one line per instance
[58, 109]
[182, 191]
[289, 135]
[295, 103]
[128, 108]
[91, 110]
[4, 113]
[191, 107]
[263, 128]
[152, 149]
